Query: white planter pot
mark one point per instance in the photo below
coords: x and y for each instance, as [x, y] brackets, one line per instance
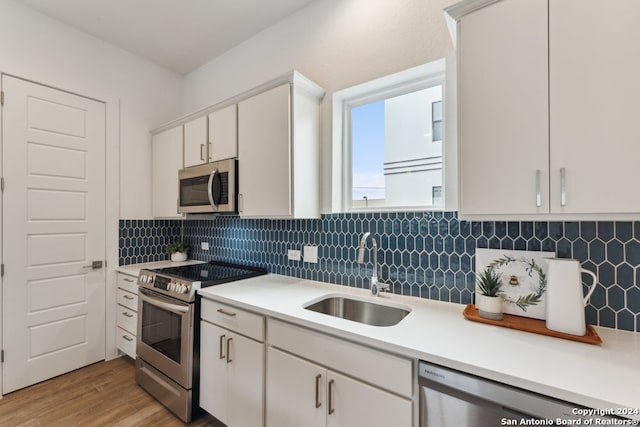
[489, 307]
[179, 256]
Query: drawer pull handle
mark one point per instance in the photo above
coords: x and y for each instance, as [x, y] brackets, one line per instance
[127, 314]
[128, 280]
[129, 297]
[128, 338]
[226, 313]
[331, 408]
[222, 355]
[318, 403]
[229, 360]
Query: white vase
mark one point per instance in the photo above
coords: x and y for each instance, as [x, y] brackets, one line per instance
[179, 256]
[489, 307]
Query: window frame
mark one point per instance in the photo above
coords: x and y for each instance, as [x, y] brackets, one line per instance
[401, 83]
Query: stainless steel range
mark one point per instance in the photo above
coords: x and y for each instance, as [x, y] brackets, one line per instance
[168, 333]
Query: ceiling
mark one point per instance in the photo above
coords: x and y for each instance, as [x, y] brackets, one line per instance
[178, 34]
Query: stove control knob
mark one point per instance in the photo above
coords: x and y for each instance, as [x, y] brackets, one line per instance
[172, 286]
[183, 288]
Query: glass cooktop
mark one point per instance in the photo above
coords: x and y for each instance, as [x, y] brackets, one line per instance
[212, 272]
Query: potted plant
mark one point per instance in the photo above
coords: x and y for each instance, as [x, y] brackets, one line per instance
[178, 251]
[489, 299]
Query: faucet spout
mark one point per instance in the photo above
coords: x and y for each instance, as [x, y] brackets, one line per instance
[376, 286]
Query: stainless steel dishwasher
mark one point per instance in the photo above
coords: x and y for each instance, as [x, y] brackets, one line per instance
[450, 398]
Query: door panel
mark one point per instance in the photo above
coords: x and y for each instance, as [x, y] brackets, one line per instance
[594, 102]
[53, 215]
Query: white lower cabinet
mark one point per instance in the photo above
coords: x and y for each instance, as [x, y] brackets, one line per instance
[338, 383]
[127, 314]
[231, 369]
[303, 393]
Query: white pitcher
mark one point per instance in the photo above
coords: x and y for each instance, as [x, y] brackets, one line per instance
[564, 297]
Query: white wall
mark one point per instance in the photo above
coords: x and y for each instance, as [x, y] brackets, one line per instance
[138, 95]
[336, 43]
[38, 48]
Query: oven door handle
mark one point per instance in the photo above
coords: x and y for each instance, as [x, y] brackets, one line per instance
[163, 304]
[212, 177]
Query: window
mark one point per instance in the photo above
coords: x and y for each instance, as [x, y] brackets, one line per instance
[391, 140]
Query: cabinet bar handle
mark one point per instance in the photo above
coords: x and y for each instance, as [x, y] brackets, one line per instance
[563, 187]
[331, 408]
[226, 313]
[210, 151]
[126, 313]
[222, 355]
[229, 360]
[128, 280]
[538, 196]
[128, 338]
[202, 152]
[318, 403]
[129, 297]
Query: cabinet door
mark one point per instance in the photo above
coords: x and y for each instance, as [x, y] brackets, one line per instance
[503, 107]
[213, 370]
[264, 154]
[595, 100]
[195, 142]
[223, 134]
[166, 161]
[352, 403]
[296, 392]
[245, 385]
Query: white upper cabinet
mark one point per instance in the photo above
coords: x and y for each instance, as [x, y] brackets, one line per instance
[166, 161]
[195, 142]
[595, 102]
[548, 91]
[279, 152]
[223, 134]
[504, 137]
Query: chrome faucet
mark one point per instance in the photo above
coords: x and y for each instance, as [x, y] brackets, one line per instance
[376, 286]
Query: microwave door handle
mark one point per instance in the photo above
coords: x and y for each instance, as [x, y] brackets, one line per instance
[168, 306]
[212, 177]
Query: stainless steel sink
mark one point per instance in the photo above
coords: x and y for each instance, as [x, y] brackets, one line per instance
[360, 311]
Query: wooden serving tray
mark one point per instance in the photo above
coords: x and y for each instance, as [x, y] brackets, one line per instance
[531, 325]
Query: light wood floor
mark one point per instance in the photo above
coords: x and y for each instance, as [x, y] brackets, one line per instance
[103, 394]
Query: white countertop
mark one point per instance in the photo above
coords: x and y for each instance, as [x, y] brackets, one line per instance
[134, 269]
[603, 377]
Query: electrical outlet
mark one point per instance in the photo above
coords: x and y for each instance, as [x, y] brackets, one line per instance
[311, 254]
[204, 246]
[293, 255]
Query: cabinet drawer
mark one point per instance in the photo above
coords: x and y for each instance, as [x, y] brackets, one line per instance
[127, 319]
[126, 342]
[234, 319]
[128, 283]
[128, 299]
[375, 367]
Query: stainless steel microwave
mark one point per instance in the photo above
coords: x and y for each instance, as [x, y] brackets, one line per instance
[209, 188]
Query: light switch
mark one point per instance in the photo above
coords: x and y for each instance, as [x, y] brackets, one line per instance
[311, 254]
[204, 246]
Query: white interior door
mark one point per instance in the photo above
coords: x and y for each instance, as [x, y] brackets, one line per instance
[53, 221]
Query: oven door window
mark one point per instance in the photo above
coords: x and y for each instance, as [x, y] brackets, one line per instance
[161, 330]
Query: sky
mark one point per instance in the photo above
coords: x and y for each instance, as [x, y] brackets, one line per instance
[367, 145]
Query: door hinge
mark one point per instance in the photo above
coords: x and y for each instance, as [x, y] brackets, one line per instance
[2, 184]
[1, 270]
[1, 98]
[2, 356]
